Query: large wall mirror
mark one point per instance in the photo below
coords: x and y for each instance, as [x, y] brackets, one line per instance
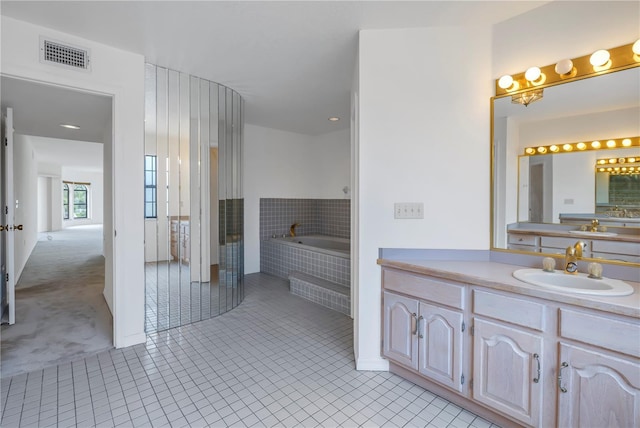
[559, 191]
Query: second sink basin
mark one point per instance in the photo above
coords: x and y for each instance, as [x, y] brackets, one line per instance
[579, 284]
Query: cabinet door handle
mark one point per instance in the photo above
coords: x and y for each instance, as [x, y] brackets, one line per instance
[562, 366]
[537, 378]
[418, 327]
[415, 316]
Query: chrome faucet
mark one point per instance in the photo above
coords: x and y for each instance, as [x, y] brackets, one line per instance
[292, 229]
[572, 254]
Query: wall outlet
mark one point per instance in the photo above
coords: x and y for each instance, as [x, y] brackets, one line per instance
[405, 210]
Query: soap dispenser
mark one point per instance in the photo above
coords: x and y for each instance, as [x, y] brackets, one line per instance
[571, 261]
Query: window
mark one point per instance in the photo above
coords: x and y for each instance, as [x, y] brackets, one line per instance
[65, 201]
[80, 201]
[150, 186]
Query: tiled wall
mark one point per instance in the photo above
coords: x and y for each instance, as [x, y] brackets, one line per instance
[316, 216]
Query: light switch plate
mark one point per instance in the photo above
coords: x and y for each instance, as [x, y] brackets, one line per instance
[408, 210]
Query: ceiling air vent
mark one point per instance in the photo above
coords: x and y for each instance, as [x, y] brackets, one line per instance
[53, 52]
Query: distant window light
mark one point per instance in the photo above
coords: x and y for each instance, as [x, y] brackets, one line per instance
[150, 186]
[65, 201]
[80, 194]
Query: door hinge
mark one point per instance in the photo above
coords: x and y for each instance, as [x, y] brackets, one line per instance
[463, 326]
[6, 209]
[471, 330]
[6, 141]
[462, 379]
[6, 277]
[115, 233]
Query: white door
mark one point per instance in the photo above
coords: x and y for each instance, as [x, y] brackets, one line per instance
[7, 219]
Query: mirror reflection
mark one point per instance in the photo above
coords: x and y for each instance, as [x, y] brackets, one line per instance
[193, 233]
[561, 192]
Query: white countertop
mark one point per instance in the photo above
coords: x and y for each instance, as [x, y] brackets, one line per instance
[499, 276]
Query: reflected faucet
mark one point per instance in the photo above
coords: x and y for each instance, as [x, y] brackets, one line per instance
[572, 255]
[292, 229]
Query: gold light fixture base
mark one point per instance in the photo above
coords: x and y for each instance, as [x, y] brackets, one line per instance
[526, 98]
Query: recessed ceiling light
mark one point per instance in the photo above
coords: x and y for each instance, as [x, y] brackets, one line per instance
[334, 119]
[68, 126]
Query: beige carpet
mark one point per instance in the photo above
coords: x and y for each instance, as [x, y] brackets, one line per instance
[61, 314]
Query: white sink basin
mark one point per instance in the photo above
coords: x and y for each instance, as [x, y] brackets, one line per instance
[579, 284]
[593, 234]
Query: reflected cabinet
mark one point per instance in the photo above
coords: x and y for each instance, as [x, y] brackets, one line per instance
[193, 198]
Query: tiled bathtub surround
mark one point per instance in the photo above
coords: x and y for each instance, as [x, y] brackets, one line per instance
[316, 216]
[280, 260]
[325, 293]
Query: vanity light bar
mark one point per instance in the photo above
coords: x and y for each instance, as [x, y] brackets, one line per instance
[620, 143]
[566, 70]
[619, 166]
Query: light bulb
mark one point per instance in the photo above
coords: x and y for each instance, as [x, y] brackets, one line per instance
[611, 143]
[632, 160]
[581, 146]
[554, 148]
[567, 147]
[505, 81]
[532, 74]
[542, 149]
[636, 47]
[564, 67]
[530, 150]
[599, 58]
[626, 142]
[596, 144]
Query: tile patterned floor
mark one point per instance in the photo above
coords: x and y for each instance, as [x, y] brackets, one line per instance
[276, 360]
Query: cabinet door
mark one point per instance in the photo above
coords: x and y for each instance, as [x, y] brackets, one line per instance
[440, 347]
[400, 340]
[601, 390]
[504, 369]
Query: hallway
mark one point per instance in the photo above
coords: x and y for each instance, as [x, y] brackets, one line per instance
[61, 313]
[275, 360]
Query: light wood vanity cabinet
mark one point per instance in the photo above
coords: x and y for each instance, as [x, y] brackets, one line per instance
[507, 355]
[599, 373]
[527, 361]
[419, 331]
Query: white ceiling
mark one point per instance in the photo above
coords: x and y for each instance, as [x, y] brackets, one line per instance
[292, 61]
[72, 155]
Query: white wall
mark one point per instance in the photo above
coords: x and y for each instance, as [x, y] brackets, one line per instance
[25, 180]
[280, 164]
[423, 137]
[559, 30]
[120, 74]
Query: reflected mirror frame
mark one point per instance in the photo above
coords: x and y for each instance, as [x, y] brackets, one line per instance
[622, 59]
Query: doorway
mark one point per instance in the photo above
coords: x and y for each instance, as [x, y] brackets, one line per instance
[59, 259]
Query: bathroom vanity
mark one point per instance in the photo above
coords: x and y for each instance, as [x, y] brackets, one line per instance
[511, 352]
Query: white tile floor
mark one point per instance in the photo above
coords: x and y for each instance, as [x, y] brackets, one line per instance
[276, 360]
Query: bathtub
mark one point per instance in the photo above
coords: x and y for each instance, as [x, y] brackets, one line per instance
[339, 247]
[322, 256]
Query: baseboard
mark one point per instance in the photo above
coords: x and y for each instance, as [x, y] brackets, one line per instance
[134, 339]
[372, 364]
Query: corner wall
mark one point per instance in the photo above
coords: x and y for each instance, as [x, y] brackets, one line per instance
[423, 111]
